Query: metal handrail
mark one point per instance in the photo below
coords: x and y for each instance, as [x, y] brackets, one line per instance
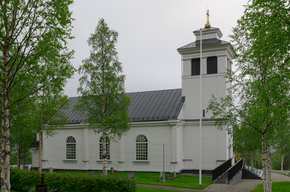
[232, 171]
[235, 164]
[221, 164]
[222, 168]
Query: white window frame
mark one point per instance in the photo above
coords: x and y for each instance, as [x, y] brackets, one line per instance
[135, 148]
[66, 148]
[108, 149]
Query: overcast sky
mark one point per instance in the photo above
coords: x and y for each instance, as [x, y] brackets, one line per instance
[150, 31]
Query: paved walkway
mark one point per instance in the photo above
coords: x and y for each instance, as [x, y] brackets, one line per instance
[245, 185]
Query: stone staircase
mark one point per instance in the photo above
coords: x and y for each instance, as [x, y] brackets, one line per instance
[252, 173]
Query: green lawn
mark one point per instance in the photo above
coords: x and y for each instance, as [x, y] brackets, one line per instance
[139, 189]
[145, 189]
[276, 186]
[152, 179]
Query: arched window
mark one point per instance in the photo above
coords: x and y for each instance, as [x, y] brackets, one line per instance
[70, 148]
[141, 148]
[107, 148]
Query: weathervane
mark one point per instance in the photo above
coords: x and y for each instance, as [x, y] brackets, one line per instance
[207, 25]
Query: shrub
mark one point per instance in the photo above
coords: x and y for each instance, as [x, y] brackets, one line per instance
[21, 180]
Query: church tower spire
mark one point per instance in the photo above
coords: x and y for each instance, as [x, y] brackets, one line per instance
[207, 25]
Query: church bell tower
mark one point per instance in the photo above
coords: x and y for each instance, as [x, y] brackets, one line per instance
[216, 58]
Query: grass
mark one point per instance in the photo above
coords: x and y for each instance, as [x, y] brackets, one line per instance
[139, 189]
[183, 181]
[276, 186]
[145, 189]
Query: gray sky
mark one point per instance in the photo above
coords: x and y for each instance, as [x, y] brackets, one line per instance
[150, 31]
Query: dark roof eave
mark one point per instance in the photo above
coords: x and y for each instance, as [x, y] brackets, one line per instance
[206, 43]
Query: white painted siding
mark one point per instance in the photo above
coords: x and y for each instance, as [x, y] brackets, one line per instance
[157, 136]
[180, 147]
[213, 84]
[213, 145]
[35, 157]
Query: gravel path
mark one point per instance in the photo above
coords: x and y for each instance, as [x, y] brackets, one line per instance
[245, 185]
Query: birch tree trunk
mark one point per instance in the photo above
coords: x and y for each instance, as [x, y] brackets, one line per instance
[40, 131]
[5, 155]
[104, 154]
[264, 164]
[40, 148]
[18, 152]
[283, 155]
[269, 166]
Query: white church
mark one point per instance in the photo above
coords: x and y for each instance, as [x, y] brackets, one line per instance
[169, 117]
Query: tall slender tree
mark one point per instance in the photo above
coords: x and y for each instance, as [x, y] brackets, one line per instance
[282, 142]
[261, 41]
[103, 100]
[32, 33]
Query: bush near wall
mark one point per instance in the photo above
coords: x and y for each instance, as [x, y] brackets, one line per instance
[21, 180]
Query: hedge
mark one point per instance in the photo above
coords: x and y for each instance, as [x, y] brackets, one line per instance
[21, 180]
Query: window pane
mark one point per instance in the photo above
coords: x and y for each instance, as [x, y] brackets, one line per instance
[70, 148]
[141, 148]
[195, 66]
[211, 65]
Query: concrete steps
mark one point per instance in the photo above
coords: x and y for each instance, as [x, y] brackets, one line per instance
[252, 173]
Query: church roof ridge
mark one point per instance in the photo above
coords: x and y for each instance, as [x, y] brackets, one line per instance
[153, 90]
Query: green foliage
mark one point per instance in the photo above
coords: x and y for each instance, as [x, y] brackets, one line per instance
[34, 34]
[33, 55]
[261, 81]
[277, 158]
[184, 181]
[103, 99]
[282, 142]
[21, 180]
[28, 160]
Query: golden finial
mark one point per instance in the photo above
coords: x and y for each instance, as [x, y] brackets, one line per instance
[207, 25]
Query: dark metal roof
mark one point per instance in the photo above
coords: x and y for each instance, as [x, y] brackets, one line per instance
[205, 42]
[145, 106]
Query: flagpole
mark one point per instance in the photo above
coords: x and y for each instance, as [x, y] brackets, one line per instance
[200, 113]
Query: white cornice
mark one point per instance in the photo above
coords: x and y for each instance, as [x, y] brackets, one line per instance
[196, 123]
[133, 124]
[204, 75]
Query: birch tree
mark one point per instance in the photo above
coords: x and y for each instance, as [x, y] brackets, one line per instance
[282, 142]
[103, 100]
[22, 127]
[247, 140]
[32, 33]
[261, 81]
